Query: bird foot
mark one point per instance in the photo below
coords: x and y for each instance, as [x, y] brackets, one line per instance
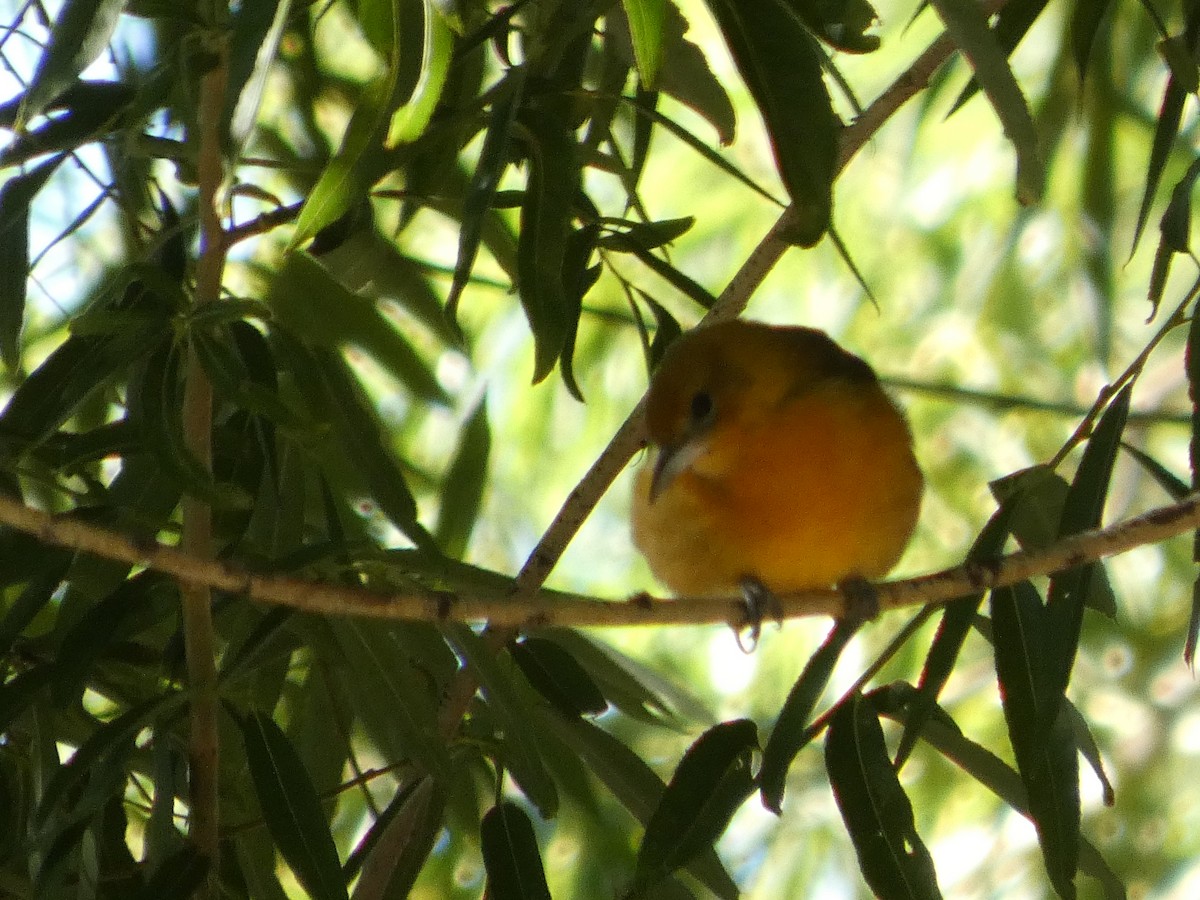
[862, 601]
[758, 600]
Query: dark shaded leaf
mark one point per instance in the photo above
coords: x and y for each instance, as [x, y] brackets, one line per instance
[508, 697]
[1038, 728]
[842, 25]
[791, 733]
[1083, 509]
[553, 179]
[711, 781]
[555, 674]
[511, 856]
[291, 808]
[493, 160]
[310, 302]
[255, 32]
[177, 877]
[634, 784]
[782, 69]
[957, 618]
[1012, 23]
[1085, 23]
[878, 816]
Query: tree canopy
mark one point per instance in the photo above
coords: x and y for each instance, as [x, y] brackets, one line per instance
[323, 328]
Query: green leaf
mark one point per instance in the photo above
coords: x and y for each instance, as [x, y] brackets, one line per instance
[310, 302]
[1085, 24]
[390, 691]
[1012, 23]
[508, 698]
[291, 808]
[79, 35]
[645, 19]
[968, 27]
[399, 843]
[993, 773]
[878, 816]
[791, 733]
[493, 160]
[511, 856]
[15, 198]
[842, 24]
[711, 781]
[464, 484]
[1041, 736]
[255, 32]
[1083, 509]
[782, 69]
[557, 676]
[957, 619]
[410, 121]
[177, 877]
[553, 179]
[1166, 129]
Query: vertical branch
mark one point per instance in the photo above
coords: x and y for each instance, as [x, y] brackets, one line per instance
[199, 637]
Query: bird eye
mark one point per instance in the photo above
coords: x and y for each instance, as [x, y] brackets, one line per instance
[702, 407]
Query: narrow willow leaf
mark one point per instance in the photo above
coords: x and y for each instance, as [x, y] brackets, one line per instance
[557, 676]
[15, 198]
[842, 25]
[464, 483]
[878, 815]
[554, 172]
[781, 67]
[511, 856]
[1083, 509]
[493, 160]
[1166, 129]
[998, 777]
[1085, 24]
[291, 808]
[410, 121]
[791, 732]
[645, 19]
[79, 35]
[508, 698]
[256, 31]
[177, 877]
[398, 843]
[1012, 23]
[711, 781]
[957, 618]
[1042, 740]
[579, 277]
[310, 302]
[968, 27]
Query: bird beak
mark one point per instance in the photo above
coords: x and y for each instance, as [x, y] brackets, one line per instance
[671, 463]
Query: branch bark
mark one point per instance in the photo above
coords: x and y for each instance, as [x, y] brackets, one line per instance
[546, 608]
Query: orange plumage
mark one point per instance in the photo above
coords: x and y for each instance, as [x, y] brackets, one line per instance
[779, 458]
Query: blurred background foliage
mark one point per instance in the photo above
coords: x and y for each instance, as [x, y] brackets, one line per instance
[458, 234]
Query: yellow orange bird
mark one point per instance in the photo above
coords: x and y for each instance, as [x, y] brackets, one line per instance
[780, 461]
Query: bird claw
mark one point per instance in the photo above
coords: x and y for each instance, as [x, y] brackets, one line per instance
[757, 600]
[862, 601]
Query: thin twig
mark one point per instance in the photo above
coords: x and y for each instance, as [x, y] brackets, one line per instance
[543, 609]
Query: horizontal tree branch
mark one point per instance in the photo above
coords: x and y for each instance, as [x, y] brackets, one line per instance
[527, 612]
